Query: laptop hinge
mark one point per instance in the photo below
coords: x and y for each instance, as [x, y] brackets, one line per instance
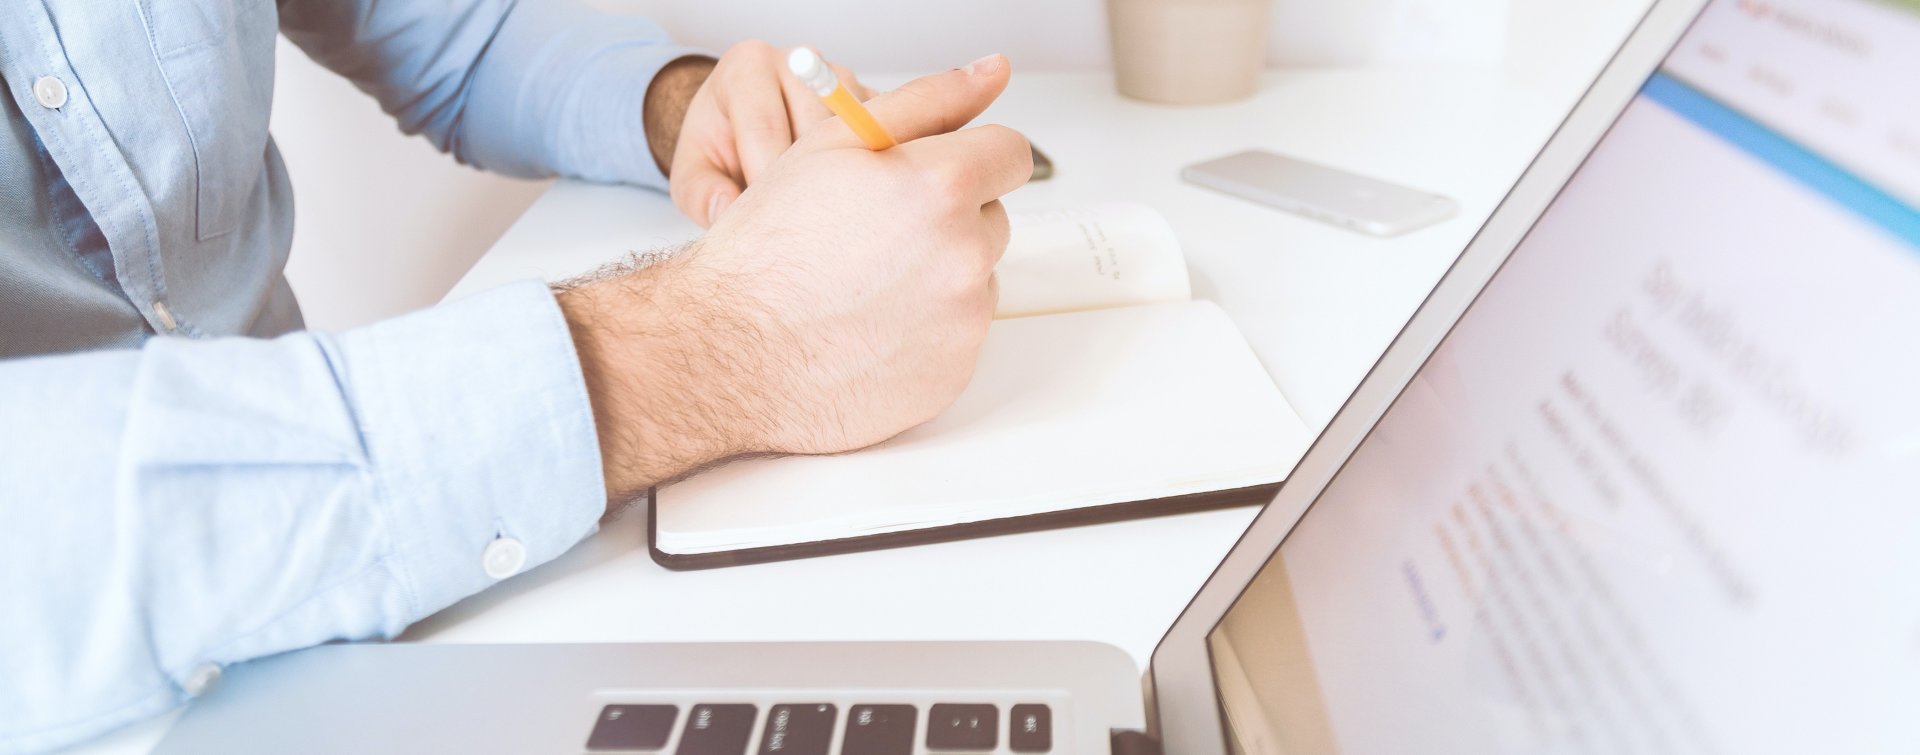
[1129, 742]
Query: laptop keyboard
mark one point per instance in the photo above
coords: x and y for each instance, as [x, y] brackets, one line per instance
[814, 728]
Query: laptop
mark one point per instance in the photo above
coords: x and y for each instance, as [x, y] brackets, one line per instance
[1642, 474]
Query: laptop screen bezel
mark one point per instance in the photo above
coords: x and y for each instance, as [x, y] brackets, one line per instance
[1185, 711]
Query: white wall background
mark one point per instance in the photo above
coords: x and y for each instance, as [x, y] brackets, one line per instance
[1072, 34]
[386, 224]
[383, 223]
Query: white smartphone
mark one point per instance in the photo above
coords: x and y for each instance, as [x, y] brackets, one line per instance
[1329, 195]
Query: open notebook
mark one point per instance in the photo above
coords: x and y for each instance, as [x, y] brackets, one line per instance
[1101, 392]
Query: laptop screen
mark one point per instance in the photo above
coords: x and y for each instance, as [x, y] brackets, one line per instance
[1659, 488]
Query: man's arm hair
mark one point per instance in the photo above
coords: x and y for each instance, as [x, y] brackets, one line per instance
[666, 106]
[672, 378]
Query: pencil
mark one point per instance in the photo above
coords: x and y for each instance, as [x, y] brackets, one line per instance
[820, 79]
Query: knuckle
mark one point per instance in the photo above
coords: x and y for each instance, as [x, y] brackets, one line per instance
[750, 48]
[999, 223]
[985, 256]
[947, 179]
[954, 277]
[1008, 142]
[761, 124]
[918, 96]
[1003, 134]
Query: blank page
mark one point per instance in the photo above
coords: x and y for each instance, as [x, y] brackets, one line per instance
[1064, 411]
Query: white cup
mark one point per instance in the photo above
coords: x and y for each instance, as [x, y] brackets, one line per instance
[1188, 52]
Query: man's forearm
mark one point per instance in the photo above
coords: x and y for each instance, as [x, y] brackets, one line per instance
[666, 104]
[201, 502]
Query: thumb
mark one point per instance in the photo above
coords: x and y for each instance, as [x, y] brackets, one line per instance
[702, 190]
[942, 102]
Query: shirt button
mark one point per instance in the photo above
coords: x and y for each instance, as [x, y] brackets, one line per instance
[165, 315]
[202, 679]
[50, 91]
[503, 557]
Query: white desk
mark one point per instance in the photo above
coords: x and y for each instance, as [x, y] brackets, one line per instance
[1318, 303]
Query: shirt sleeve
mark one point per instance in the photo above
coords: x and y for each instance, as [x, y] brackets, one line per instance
[195, 503]
[531, 89]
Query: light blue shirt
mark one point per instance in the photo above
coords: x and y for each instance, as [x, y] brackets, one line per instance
[175, 497]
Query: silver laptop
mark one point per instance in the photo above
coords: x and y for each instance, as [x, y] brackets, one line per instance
[1642, 475]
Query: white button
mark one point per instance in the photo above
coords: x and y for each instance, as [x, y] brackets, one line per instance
[50, 91]
[503, 558]
[165, 316]
[202, 679]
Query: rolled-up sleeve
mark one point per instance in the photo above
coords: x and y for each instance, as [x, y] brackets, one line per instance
[196, 503]
[531, 89]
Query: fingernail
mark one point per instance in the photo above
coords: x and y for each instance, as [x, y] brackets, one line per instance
[984, 66]
[719, 202]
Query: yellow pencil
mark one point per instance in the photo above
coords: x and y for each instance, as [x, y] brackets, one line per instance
[820, 79]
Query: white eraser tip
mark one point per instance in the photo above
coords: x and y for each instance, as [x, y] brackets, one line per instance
[811, 70]
[803, 62]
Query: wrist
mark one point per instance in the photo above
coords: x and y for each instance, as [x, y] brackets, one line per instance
[650, 380]
[665, 106]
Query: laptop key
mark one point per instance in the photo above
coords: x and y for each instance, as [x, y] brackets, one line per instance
[879, 730]
[717, 729]
[798, 729]
[1030, 728]
[632, 727]
[952, 726]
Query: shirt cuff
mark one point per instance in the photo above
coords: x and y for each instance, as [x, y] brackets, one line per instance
[486, 445]
[577, 85]
[609, 121]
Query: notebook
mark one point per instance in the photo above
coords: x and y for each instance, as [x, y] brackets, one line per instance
[1102, 391]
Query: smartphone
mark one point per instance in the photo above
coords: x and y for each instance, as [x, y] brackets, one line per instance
[1329, 195]
[1042, 167]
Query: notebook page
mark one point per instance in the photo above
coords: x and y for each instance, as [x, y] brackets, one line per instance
[1063, 412]
[1113, 255]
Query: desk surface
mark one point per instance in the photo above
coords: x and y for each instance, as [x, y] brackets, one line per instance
[1319, 304]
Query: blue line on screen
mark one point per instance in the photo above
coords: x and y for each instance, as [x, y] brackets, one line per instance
[1786, 156]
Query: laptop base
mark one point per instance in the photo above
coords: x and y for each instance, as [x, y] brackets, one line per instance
[987, 697]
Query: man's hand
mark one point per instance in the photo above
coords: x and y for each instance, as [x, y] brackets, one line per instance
[748, 109]
[841, 300]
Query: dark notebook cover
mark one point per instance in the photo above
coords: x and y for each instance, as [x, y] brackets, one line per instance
[1219, 499]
